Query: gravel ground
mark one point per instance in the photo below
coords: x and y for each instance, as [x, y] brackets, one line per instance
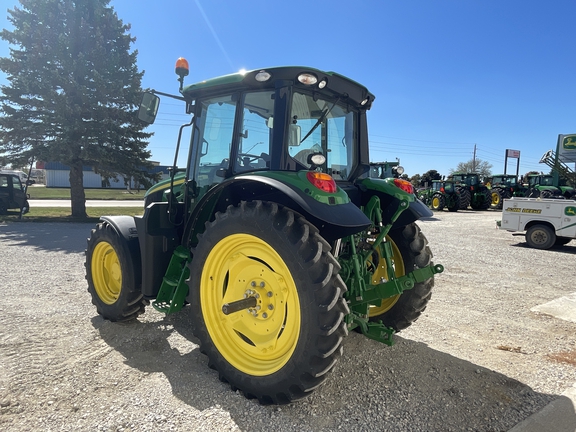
[477, 360]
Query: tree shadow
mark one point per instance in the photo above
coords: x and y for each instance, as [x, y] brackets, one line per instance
[52, 236]
[368, 377]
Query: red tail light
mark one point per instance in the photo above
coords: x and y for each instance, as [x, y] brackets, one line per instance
[405, 185]
[322, 181]
[442, 190]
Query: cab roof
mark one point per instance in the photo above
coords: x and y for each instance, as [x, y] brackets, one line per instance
[335, 84]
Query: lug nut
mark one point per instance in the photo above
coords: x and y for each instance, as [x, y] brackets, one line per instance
[269, 294]
[264, 315]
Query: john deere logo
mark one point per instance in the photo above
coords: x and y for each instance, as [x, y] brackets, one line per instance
[569, 142]
[570, 211]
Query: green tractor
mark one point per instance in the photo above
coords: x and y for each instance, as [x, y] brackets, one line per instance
[544, 186]
[472, 192]
[562, 173]
[441, 195]
[274, 236]
[505, 186]
[385, 170]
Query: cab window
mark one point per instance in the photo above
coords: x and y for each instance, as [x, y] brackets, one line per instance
[255, 132]
[215, 132]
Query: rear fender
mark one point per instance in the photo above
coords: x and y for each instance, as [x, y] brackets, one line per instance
[125, 228]
[392, 198]
[335, 218]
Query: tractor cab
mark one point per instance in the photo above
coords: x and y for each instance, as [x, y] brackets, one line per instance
[510, 181]
[467, 179]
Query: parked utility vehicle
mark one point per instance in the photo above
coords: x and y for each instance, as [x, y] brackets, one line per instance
[12, 194]
[274, 233]
[547, 222]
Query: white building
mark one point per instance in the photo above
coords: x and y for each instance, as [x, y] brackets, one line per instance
[58, 176]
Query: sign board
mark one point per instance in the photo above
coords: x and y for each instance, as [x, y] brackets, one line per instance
[512, 153]
[567, 148]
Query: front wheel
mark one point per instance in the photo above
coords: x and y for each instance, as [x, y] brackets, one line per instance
[540, 237]
[497, 199]
[113, 275]
[410, 251]
[438, 202]
[267, 302]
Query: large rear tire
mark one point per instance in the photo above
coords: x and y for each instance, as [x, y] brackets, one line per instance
[410, 251]
[465, 198]
[487, 200]
[283, 347]
[454, 202]
[113, 275]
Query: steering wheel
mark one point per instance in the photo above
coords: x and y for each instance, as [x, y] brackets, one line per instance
[251, 157]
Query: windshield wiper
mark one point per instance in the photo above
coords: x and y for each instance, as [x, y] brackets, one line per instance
[320, 120]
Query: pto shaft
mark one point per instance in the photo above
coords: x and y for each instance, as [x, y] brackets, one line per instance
[239, 305]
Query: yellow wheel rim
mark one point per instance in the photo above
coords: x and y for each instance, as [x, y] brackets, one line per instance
[257, 341]
[435, 202]
[495, 198]
[106, 273]
[382, 272]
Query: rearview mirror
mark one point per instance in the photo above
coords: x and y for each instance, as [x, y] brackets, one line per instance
[294, 134]
[148, 108]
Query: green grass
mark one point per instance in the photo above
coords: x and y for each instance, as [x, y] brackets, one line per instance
[62, 214]
[91, 194]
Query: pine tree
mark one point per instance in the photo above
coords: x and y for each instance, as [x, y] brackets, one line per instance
[73, 92]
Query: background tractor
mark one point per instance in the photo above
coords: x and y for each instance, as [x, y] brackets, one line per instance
[565, 176]
[545, 186]
[442, 194]
[472, 192]
[503, 186]
[385, 170]
[274, 234]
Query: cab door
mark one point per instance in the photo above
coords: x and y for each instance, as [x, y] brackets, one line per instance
[18, 194]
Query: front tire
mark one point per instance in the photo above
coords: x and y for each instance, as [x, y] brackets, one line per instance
[410, 251]
[282, 348]
[497, 199]
[438, 202]
[113, 275]
[540, 237]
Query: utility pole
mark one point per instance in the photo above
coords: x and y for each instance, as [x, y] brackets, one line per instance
[474, 160]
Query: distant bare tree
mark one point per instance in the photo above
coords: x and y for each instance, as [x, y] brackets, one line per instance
[483, 168]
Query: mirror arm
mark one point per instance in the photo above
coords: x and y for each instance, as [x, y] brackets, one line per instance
[167, 95]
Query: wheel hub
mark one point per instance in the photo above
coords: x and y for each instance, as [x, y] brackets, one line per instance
[259, 334]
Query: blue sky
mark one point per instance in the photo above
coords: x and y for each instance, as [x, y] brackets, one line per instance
[448, 75]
